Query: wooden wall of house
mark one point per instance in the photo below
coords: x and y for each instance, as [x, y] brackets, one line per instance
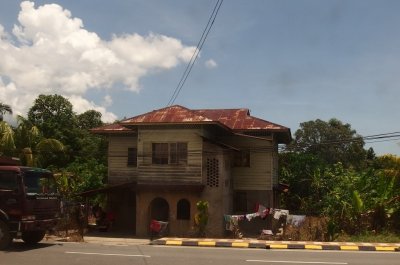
[118, 169]
[275, 171]
[149, 172]
[259, 176]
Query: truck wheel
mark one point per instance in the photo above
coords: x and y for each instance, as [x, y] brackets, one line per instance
[5, 236]
[32, 237]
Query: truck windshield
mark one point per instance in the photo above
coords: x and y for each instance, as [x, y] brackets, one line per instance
[37, 183]
[8, 181]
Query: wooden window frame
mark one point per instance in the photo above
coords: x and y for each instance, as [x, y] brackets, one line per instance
[173, 153]
[132, 157]
[241, 159]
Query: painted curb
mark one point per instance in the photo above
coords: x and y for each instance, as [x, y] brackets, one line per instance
[266, 245]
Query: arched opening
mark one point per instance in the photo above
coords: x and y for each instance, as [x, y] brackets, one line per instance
[183, 210]
[159, 210]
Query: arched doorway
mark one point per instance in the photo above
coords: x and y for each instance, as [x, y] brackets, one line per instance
[159, 210]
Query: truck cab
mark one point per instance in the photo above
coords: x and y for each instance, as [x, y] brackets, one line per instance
[29, 204]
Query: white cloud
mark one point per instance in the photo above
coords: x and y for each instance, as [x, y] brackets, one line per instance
[52, 53]
[107, 101]
[211, 64]
[80, 103]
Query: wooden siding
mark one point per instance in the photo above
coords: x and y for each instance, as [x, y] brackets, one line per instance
[275, 171]
[118, 169]
[189, 173]
[259, 176]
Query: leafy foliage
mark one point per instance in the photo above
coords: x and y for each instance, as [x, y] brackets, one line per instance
[331, 174]
[54, 117]
[201, 218]
[4, 108]
[54, 137]
[331, 141]
[80, 176]
[354, 200]
[89, 119]
[7, 144]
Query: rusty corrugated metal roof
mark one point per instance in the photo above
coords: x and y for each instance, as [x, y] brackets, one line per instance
[173, 114]
[111, 128]
[233, 119]
[239, 119]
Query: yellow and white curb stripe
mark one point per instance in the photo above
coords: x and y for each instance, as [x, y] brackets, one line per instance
[275, 245]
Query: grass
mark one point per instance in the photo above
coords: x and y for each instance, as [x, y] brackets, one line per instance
[370, 237]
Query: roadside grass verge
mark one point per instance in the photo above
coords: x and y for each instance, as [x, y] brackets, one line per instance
[371, 237]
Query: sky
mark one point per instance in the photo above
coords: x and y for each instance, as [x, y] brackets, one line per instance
[288, 61]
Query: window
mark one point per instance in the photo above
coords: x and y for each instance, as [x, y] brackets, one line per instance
[132, 157]
[160, 153]
[37, 183]
[183, 210]
[169, 153]
[241, 159]
[8, 181]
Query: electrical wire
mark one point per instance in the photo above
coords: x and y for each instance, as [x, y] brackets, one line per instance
[196, 53]
[383, 137]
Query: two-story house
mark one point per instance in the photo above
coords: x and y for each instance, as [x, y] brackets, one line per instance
[162, 162]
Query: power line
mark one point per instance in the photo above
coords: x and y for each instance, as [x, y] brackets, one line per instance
[196, 53]
[383, 137]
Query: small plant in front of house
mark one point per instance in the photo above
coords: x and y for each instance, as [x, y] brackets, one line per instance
[201, 218]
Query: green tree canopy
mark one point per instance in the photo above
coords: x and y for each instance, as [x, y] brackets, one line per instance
[89, 119]
[54, 117]
[331, 141]
[7, 144]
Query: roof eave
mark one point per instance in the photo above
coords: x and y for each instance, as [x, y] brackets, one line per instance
[177, 123]
[284, 135]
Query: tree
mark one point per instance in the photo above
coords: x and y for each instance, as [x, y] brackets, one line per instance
[386, 192]
[26, 134]
[89, 119]
[332, 141]
[305, 175]
[49, 152]
[32, 148]
[4, 108]
[7, 144]
[330, 174]
[54, 117]
[80, 176]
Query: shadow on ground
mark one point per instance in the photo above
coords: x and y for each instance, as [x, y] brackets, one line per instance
[19, 246]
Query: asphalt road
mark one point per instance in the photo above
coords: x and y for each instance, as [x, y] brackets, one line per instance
[89, 254]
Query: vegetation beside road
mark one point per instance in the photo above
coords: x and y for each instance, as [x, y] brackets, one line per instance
[332, 175]
[370, 237]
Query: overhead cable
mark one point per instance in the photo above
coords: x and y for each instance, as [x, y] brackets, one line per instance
[383, 137]
[196, 53]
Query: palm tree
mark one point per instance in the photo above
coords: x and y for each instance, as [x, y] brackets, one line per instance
[7, 145]
[4, 108]
[35, 150]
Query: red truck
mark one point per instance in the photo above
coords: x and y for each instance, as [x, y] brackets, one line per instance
[29, 203]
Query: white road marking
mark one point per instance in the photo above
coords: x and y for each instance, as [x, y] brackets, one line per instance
[297, 262]
[106, 254]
